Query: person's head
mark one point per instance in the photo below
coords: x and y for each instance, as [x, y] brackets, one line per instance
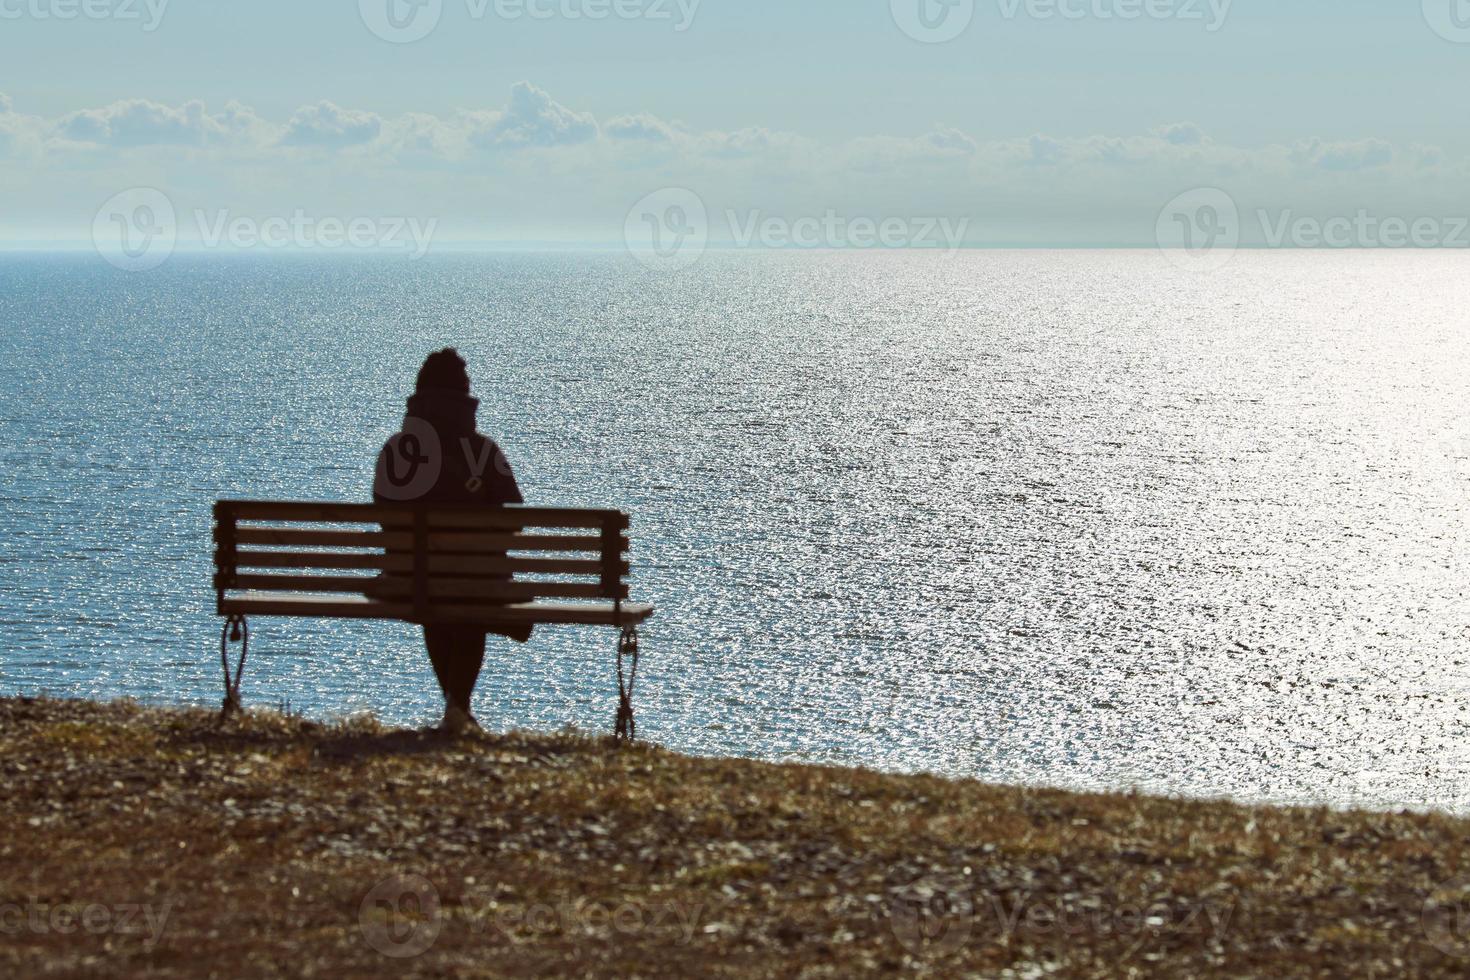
[444, 369]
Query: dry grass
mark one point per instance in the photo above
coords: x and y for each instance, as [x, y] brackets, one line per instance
[277, 846]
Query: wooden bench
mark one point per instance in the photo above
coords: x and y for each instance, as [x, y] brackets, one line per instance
[420, 563]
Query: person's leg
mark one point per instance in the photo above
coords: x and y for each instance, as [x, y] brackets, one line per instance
[470, 657]
[441, 654]
[457, 654]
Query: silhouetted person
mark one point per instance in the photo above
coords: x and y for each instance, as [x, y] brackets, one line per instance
[440, 458]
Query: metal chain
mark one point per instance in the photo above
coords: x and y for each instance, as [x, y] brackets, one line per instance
[626, 728]
[236, 630]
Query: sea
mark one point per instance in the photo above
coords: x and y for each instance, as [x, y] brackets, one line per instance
[1083, 519]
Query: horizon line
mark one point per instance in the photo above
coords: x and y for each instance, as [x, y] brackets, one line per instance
[474, 245]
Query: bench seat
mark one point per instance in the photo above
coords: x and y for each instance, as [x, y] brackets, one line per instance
[336, 606]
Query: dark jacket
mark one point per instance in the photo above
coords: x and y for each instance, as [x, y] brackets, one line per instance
[438, 457]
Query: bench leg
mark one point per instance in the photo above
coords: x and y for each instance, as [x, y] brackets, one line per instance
[236, 630]
[626, 729]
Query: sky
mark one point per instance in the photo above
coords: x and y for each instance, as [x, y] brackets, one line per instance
[766, 122]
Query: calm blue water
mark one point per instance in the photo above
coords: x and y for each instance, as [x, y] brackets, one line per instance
[1071, 518]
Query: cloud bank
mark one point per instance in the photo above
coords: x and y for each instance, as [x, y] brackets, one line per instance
[535, 165]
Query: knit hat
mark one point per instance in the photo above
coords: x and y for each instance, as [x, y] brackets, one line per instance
[444, 369]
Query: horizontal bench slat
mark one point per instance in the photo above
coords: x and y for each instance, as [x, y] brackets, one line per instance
[515, 565]
[438, 564]
[516, 517]
[302, 583]
[302, 538]
[451, 543]
[438, 516]
[360, 607]
[321, 559]
[438, 587]
[438, 541]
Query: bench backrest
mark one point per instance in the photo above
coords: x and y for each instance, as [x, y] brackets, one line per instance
[427, 555]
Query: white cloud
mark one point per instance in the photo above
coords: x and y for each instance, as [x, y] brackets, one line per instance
[1427, 157]
[240, 124]
[754, 141]
[330, 126]
[531, 119]
[551, 165]
[883, 154]
[20, 135]
[642, 127]
[1181, 134]
[1045, 150]
[1361, 155]
[420, 137]
[949, 140]
[139, 122]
